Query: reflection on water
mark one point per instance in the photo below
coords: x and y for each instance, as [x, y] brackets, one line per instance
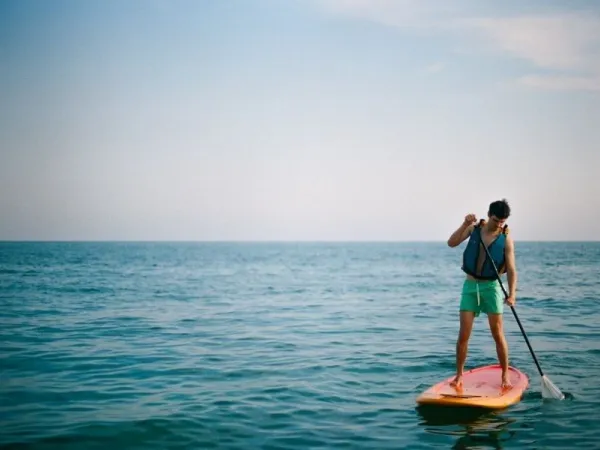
[474, 428]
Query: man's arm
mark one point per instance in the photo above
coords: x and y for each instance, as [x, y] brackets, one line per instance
[511, 268]
[461, 234]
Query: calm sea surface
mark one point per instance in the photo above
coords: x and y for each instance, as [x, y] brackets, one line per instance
[281, 346]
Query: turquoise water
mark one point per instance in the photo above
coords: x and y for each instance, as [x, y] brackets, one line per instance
[281, 346]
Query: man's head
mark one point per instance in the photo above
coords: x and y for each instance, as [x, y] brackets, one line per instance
[498, 212]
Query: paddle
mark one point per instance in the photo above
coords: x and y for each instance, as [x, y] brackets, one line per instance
[549, 389]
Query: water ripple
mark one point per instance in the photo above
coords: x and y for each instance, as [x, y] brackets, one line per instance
[279, 346]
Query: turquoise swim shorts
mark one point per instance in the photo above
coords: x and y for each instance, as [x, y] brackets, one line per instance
[482, 296]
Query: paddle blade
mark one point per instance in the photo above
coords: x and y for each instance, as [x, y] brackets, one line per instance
[549, 389]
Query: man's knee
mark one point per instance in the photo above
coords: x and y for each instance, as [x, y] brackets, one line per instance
[498, 336]
[463, 335]
[496, 327]
[466, 325]
[463, 338]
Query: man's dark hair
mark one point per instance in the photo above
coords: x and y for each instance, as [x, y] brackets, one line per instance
[500, 209]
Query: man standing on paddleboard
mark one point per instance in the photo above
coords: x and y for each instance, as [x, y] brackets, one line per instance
[481, 290]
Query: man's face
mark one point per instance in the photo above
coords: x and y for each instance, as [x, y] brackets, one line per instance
[496, 223]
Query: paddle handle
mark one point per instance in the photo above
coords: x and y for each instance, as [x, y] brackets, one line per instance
[511, 307]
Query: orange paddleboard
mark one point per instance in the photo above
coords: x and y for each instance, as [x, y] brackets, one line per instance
[480, 388]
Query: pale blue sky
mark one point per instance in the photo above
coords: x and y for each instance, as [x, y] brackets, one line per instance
[297, 119]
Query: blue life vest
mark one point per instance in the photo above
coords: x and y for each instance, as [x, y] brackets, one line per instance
[496, 249]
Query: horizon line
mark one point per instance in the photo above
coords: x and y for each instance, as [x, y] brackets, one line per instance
[276, 241]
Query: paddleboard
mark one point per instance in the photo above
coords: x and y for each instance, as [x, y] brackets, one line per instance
[480, 388]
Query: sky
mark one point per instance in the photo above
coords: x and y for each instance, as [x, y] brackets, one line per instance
[297, 120]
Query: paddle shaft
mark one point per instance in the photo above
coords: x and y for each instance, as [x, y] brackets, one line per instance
[511, 306]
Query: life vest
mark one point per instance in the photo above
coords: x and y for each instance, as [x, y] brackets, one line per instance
[496, 250]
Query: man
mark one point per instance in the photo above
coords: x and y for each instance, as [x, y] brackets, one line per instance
[481, 290]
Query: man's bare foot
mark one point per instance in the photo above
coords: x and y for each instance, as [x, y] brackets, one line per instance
[505, 383]
[457, 382]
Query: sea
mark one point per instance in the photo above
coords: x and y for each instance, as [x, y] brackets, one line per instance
[282, 345]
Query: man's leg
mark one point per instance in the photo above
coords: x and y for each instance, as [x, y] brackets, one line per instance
[493, 305]
[497, 329]
[462, 344]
